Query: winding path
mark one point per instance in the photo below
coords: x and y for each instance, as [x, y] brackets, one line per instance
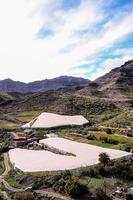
[7, 166]
[5, 183]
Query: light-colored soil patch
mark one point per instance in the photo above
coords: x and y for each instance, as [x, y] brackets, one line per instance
[33, 161]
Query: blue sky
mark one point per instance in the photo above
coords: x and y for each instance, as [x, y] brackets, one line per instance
[48, 38]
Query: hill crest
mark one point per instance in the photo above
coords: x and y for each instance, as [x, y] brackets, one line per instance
[9, 85]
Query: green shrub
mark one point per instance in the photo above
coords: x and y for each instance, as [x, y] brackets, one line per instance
[37, 184]
[60, 185]
[91, 137]
[127, 147]
[91, 172]
[123, 169]
[101, 170]
[108, 131]
[71, 186]
[74, 188]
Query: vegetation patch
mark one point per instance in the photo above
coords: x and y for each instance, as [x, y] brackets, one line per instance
[95, 183]
[112, 139]
[55, 150]
[2, 167]
[122, 120]
[102, 139]
[27, 116]
[12, 181]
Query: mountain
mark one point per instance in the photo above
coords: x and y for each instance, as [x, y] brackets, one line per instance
[9, 85]
[18, 109]
[107, 101]
[117, 84]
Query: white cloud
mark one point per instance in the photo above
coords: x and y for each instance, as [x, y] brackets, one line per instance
[24, 56]
[125, 53]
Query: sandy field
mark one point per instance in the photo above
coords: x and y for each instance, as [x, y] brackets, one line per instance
[48, 120]
[33, 161]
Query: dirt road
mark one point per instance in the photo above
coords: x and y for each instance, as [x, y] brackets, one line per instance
[7, 169]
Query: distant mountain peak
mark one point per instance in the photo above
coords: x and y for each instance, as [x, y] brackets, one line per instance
[127, 63]
[7, 79]
[9, 85]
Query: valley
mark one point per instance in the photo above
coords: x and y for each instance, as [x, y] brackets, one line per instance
[70, 165]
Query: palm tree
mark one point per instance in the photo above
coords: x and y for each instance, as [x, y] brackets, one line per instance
[104, 159]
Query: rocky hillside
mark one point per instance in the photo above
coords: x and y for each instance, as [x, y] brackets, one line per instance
[119, 80]
[22, 108]
[117, 84]
[9, 85]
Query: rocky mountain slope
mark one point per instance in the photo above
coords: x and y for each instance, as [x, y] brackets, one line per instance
[9, 85]
[117, 84]
[119, 80]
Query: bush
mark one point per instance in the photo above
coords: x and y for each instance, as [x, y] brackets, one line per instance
[127, 147]
[37, 184]
[71, 186]
[91, 137]
[66, 174]
[74, 188]
[60, 185]
[101, 170]
[123, 169]
[91, 172]
[4, 149]
[108, 140]
[108, 131]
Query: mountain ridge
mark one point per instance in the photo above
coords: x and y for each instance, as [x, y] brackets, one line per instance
[116, 84]
[108, 101]
[9, 85]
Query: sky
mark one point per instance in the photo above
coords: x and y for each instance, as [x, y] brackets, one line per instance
[42, 39]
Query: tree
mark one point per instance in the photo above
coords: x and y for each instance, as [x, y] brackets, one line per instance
[104, 159]
[75, 189]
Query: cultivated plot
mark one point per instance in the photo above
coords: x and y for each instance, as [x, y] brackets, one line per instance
[42, 160]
